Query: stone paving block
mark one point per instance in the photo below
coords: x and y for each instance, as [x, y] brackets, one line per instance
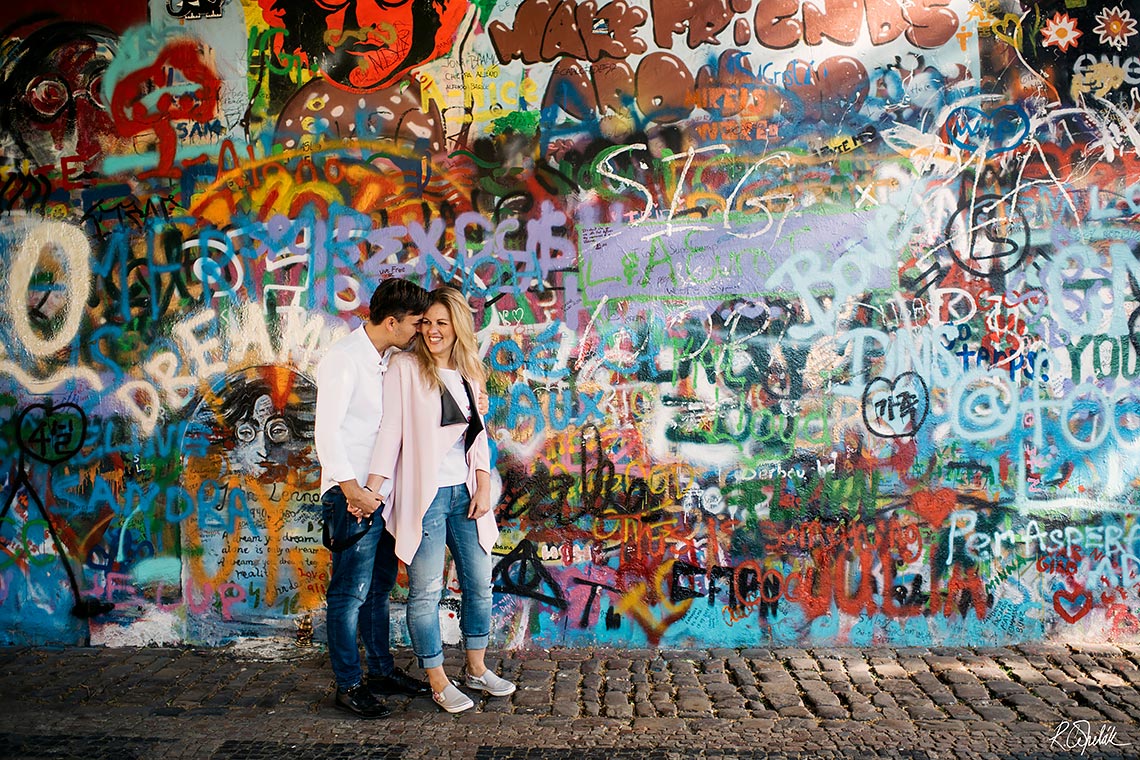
[1106, 678]
[1052, 694]
[782, 699]
[1027, 676]
[939, 662]
[1079, 712]
[713, 677]
[619, 685]
[751, 692]
[934, 689]
[1012, 659]
[734, 701]
[591, 666]
[995, 713]
[1130, 698]
[1128, 672]
[914, 664]
[683, 681]
[835, 677]
[820, 699]
[683, 666]
[885, 669]
[721, 689]
[1001, 688]
[644, 710]
[623, 710]
[787, 653]
[1094, 648]
[969, 692]
[924, 712]
[960, 711]
[958, 676]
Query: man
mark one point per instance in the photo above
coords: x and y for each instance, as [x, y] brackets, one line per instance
[350, 381]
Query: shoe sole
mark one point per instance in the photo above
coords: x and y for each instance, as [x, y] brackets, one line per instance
[382, 693]
[362, 715]
[455, 709]
[485, 690]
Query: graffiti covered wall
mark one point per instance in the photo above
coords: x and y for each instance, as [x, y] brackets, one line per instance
[808, 322]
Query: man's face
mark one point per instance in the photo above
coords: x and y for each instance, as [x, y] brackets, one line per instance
[371, 38]
[406, 329]
[61, 110]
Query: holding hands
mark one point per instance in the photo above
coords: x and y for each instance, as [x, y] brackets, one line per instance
[362, 502]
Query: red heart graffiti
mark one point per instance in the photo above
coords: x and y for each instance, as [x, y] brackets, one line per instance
[1072, 597]
[935, 506]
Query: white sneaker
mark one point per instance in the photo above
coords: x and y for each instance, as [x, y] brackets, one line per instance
[452, 699]
[490, 683]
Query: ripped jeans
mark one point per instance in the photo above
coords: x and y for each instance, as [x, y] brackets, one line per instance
[446, 525]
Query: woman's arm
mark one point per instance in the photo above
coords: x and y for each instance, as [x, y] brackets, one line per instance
[481, 500]
[390, 436]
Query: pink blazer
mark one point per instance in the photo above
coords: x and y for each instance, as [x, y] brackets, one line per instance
[410, 449]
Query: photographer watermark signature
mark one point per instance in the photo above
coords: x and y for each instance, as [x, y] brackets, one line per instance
[1079, 734]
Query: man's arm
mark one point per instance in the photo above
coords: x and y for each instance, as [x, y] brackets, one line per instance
[335, 382]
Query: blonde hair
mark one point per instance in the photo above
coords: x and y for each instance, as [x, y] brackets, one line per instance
[465, 352]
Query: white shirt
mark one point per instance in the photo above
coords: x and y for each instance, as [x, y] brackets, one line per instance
[350, 403]
[453, 468]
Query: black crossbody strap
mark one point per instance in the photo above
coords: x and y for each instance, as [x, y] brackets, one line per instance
[474, 424]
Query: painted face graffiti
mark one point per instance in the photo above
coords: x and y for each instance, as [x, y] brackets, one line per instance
[364, 44]
[52, 90]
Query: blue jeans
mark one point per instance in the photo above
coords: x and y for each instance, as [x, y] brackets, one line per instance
[446, 524]
[362, 579]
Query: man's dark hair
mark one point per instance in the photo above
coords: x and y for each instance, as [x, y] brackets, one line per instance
[396, 297]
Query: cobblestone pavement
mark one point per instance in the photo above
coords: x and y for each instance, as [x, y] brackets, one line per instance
[1015, 703]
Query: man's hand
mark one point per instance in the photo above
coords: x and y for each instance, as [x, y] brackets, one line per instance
[361, 501]
[483, 404]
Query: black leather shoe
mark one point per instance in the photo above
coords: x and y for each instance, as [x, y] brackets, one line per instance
[397, 682]
[359, 701]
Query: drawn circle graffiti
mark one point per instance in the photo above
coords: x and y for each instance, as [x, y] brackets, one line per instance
[988, 237]
[998, 131]
[896, 408]
[51, 433]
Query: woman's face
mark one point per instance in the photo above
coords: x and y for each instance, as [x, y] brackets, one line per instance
[438, 333]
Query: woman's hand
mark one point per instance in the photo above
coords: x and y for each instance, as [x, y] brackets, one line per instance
[361, 502]
[480, 503]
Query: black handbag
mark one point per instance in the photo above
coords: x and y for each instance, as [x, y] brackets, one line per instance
[341, 529]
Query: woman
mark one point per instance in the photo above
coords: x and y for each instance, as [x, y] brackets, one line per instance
[442, 495]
